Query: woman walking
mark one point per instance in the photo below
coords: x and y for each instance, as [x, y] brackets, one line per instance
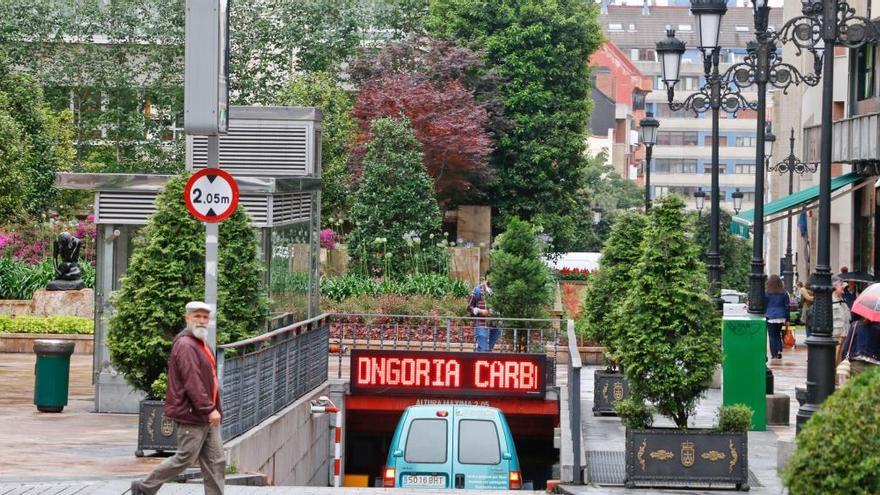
[777, 314]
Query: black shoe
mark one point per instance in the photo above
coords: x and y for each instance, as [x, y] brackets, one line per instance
[136, 488]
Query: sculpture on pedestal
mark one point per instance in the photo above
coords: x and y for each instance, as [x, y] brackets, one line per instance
[67, 272]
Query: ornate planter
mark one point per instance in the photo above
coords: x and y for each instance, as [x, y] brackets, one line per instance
[607, 389]
[667, 456]
[155, 431]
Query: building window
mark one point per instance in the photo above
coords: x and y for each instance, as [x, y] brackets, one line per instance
[746, 141]
[745, 168]
[677, 138]
[722, 141]
[646, 54]
[615, 26]
[865, 72]
[722, 168]
[684, 27]
[742, 29]
[748, 197]
[675, 166]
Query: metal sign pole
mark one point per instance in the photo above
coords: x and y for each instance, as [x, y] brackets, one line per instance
[212, 242]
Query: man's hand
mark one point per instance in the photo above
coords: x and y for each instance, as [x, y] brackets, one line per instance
[214, 418]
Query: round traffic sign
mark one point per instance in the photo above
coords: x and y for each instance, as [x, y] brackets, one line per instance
[211, 195]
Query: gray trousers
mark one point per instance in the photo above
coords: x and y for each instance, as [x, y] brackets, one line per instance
[200, 442]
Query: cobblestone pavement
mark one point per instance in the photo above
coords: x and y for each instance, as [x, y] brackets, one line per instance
[607, 435]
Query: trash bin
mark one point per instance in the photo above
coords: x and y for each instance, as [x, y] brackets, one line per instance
[52, 374]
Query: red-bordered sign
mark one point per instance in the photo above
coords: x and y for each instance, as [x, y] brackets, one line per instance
[211, 195]
[448, 374]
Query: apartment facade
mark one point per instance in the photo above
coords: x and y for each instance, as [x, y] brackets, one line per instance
[855, 243]
[618, 91]
[682, 156]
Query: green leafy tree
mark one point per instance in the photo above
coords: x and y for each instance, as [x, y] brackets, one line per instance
[602, 187]
[736, 252]
[36, 143]
[600, 320]
[521, 281]
[838, 449]
[670, 330]
[540, 48]
[166, 271]
[338, 128]
[119, 65]
[395, 201]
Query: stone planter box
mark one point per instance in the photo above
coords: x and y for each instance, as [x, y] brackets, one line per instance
[24, 342]
[155, 431]
[608, 388]
[670, 457]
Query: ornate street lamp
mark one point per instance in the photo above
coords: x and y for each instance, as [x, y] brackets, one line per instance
[648, 136]
[700, 200]
[769, 141]
[762, 65]
[823, 25]
[791, 165]
[737, 201]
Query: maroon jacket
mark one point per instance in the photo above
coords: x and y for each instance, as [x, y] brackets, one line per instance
[188, 396]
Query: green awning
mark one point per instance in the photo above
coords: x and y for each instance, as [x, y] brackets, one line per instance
[742, 222]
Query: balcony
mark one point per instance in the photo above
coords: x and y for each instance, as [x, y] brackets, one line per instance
[856, 141]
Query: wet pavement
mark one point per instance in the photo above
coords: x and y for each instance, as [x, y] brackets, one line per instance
[605, 436]
[76, 444]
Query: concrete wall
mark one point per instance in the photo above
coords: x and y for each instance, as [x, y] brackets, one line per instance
[291, 448]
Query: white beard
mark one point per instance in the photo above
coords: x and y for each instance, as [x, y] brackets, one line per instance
[201, 332]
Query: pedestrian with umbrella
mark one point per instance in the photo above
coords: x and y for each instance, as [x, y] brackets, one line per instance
[861, 348]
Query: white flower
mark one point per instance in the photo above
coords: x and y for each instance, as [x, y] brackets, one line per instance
[417, 240]
[460, 240]
[452, 244]
[378, 240]
[388, 255]
[431, 236]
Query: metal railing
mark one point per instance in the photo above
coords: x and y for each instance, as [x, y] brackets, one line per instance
[262, 375]
[444, 333]
[574, 403]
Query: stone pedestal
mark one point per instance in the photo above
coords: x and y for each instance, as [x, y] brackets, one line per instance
[64, 303]
[475, 226]
[465, 265]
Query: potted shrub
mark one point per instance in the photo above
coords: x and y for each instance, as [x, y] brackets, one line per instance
[166, 271]
[670, 344]
[600, 320]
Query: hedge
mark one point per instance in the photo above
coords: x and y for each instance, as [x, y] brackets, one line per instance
[48, 324]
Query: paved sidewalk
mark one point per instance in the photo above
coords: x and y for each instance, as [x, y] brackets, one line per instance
[76, 444]
[603, 435]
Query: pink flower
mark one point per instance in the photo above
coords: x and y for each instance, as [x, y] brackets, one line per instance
[328, 239]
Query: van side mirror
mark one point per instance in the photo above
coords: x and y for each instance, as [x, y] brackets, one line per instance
[398, 453]
[506, 456]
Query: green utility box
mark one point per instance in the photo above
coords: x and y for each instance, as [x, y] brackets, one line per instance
[744, 342]
[52, 374]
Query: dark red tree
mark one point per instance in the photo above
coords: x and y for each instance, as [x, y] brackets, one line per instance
[448, 122]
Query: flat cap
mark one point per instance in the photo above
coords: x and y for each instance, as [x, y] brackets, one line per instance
[197, 306]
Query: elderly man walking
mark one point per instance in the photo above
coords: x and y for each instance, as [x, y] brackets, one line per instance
[192, 400]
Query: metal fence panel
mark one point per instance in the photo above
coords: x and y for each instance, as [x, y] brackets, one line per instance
[263, 375]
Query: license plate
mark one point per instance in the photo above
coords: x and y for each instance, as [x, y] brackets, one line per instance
[425, 480]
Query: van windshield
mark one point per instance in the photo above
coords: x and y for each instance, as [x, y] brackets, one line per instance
[426, 441]
[478, 442]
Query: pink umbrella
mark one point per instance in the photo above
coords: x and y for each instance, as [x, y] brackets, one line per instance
[867, 305]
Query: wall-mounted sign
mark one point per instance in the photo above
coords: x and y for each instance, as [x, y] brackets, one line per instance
[449, 374]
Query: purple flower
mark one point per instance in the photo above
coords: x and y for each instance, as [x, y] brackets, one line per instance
[328, 239]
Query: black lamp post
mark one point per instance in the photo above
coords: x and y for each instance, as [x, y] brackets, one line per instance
[824, 24]
[648, 136]
[700, 200]
[791, 165]
[737, 201]
[762, 65]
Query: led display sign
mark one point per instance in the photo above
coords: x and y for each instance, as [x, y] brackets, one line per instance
[449, 374]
